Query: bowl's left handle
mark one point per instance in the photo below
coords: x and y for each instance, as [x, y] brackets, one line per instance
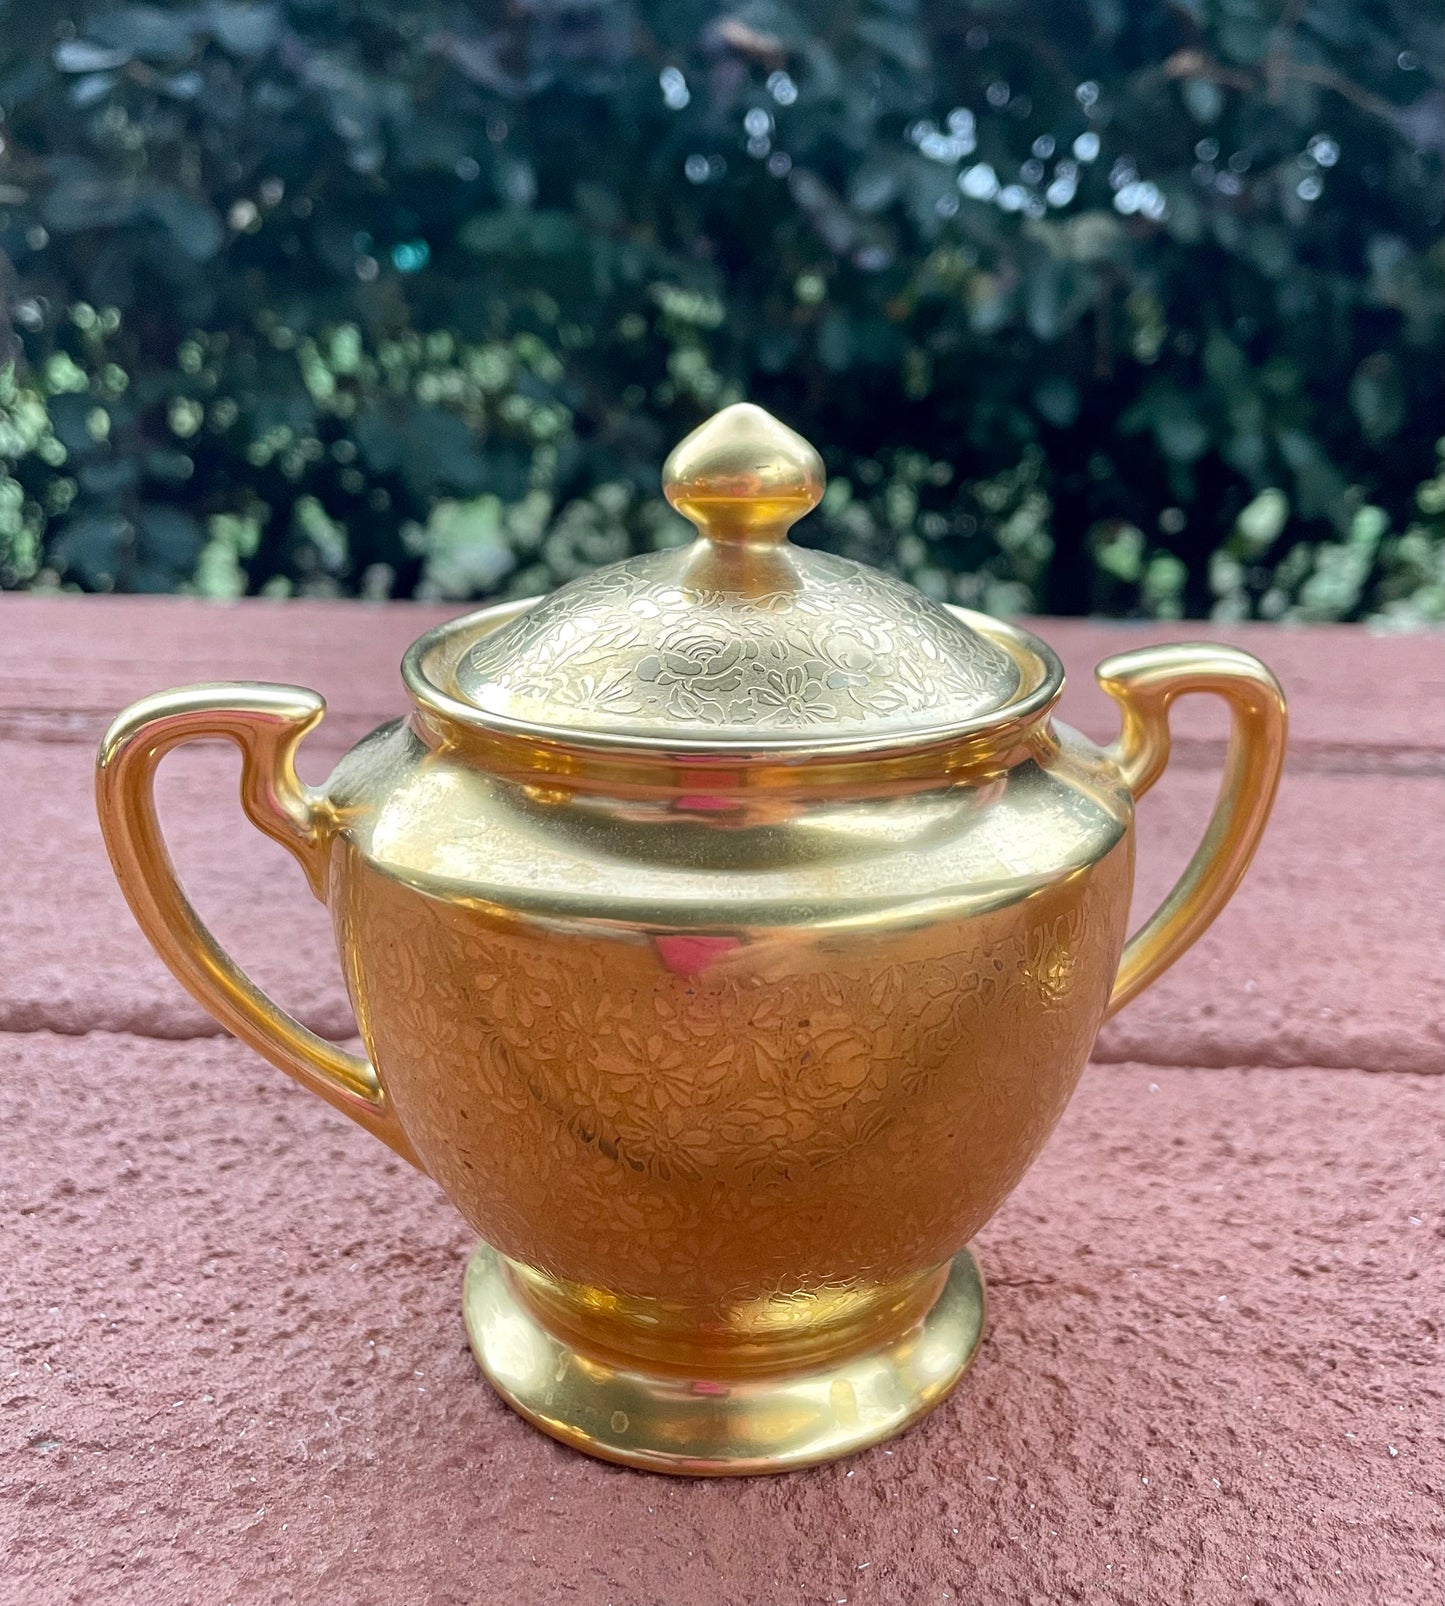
[265, 723]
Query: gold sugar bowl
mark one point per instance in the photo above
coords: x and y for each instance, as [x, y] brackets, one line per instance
[727, 932]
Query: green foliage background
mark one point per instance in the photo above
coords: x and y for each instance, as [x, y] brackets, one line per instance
[1090, 306]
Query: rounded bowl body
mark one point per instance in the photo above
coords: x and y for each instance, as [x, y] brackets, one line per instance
[727, 1063]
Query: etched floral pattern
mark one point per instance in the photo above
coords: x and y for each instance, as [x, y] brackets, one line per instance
[631, 649]
[803, 1115]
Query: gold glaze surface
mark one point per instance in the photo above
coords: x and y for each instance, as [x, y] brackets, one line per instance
[725, 1033]
[688, 1422]
[740, 636]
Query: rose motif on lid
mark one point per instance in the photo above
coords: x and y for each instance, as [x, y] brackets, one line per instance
[693, 669]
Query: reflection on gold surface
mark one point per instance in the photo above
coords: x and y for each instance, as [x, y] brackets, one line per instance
[730, 1000]
[728, 1424]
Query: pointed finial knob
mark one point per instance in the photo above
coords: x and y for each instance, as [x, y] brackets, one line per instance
[743, 476]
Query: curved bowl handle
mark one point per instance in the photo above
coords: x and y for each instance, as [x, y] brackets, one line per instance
[1145, 683]
[265, 723]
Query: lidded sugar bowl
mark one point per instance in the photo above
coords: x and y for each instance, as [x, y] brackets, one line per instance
[726, 932]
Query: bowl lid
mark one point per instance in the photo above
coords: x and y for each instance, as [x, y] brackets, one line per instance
[740, 638]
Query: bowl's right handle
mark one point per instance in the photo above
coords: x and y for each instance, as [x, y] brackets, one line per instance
[265, 722]
[1145, 683]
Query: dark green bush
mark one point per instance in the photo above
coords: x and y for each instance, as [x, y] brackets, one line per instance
[1090, 306]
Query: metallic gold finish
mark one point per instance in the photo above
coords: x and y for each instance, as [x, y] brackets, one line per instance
[1145, 683]
[740, 639]
[265, 723]
[726, 1423]
[743, 477]
[725, 1009]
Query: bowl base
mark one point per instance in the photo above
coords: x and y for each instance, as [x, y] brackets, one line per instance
[717, 1427]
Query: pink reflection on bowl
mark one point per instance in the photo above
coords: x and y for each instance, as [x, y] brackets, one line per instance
[688, 956]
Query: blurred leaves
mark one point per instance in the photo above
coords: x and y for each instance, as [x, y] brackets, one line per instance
[1103, 307]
